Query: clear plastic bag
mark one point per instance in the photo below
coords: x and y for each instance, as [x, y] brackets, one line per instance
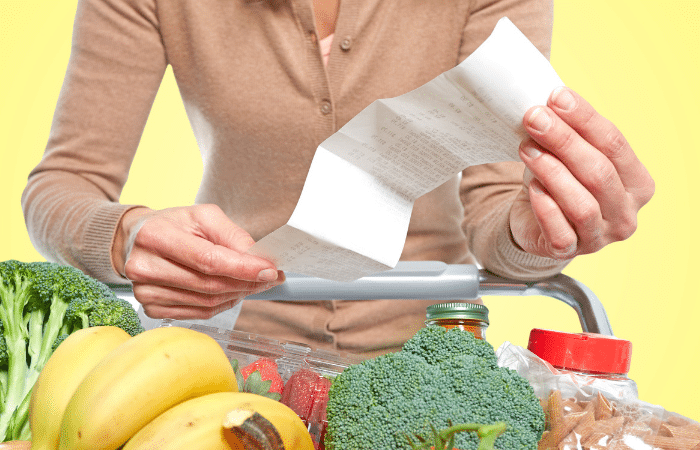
[588, 412]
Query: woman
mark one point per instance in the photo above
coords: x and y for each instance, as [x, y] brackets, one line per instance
[261, 95]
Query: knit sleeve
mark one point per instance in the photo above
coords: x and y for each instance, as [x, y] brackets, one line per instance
[71, 201]
[487, 191]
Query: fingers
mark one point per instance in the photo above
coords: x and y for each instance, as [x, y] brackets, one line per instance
[569, 214]
[583, 124]
[542, 228]
[192, 242]
[572, 159]
[165, 302]
[186, 312]
[146, 267]
[606, 138]
[588, 178]
[191, 263]
[558, 238]
[215, 226]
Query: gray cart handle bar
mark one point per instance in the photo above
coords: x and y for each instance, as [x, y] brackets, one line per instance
[436, 280]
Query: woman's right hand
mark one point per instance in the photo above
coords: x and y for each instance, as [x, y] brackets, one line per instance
[188, 262]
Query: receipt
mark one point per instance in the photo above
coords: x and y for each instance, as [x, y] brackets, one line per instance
[352, 217]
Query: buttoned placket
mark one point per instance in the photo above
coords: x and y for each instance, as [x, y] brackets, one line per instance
[343, 43]
[325, 80]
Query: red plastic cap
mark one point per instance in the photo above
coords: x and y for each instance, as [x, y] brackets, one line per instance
[584, 352]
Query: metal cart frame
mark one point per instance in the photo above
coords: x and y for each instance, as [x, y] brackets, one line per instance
[436, 280]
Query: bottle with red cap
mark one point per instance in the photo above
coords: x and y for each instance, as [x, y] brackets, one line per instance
[591, 355]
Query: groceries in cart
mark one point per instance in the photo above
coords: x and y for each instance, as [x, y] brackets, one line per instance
[588, 399]
[187, 385]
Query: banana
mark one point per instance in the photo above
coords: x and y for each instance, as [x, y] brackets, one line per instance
[138, 381]
[224, 421]
[77, 355]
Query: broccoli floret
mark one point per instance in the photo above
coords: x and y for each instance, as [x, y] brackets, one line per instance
[58, 341]
[34, 302]
[440, 377]
[436, 346]
[108, 310]
[53, 288]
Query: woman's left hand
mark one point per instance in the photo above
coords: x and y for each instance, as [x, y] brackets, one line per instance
[583, 185]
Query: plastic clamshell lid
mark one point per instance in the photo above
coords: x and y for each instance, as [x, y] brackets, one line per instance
[290, 356]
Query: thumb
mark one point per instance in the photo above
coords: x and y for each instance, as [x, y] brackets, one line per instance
[219, 229]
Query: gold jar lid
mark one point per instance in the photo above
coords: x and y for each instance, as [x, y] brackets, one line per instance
[458, 310]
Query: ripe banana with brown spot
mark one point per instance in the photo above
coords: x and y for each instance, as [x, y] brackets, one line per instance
[225, 421]
[77, 355]
[138, 381]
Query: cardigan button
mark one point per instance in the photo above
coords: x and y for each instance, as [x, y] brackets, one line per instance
[326, 107]
[346, 43]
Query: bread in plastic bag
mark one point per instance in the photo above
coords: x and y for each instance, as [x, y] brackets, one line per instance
[586, 412]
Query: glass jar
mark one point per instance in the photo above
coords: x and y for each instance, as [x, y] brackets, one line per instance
[593, 358]
[465, 316]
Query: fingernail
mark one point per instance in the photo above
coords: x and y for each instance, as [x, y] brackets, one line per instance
[563, 98]
[539, 120]
[531, 151]
[267, 275]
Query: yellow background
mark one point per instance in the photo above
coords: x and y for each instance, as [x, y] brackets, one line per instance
[637, 62]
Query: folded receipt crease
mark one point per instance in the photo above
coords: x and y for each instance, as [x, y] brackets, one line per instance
[352, 217]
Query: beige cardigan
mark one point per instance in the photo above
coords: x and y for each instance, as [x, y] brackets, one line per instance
[260, 100]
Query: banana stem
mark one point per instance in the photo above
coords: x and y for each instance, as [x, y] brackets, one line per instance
[253, 430]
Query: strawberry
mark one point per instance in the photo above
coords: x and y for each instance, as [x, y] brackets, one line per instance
[260, 377]
[306, 393]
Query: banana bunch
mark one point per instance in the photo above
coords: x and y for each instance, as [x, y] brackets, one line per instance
[166, 388]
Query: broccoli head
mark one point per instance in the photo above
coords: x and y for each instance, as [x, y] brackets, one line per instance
[103, 310]
[41, 303]
[440, 377]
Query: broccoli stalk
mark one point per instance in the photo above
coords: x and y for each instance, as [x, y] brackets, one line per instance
[41, 337]
[46, 312]
[3, 384]
[15, 285]
[445, 439]
[44, 329]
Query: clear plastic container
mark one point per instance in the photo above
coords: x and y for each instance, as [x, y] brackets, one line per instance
[305, 370]
[465, 316]
[588, 356]
[589, 402]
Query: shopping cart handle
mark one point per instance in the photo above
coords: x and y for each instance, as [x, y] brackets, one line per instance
[436, 280]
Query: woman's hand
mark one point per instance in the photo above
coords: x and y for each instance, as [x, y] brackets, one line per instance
[189, 262]
[583, 183]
